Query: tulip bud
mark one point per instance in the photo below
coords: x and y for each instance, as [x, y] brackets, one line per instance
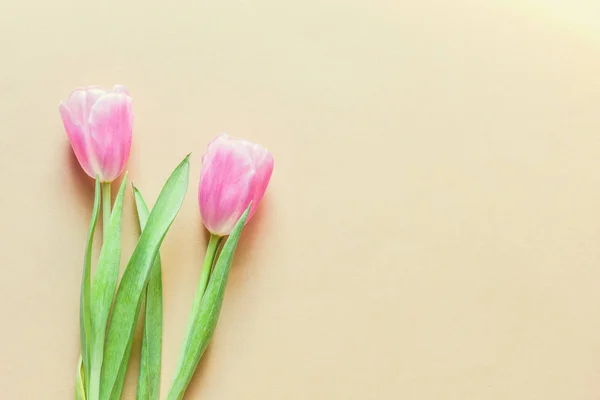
[235, 172]
[99, 123]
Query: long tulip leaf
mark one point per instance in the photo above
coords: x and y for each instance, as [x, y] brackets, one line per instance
[150, 363]
[205, 321]
[104, 287]
[85, 315]
[116, 393]
[129, 294]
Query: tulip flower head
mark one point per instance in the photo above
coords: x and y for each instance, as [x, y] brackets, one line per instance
[234, 173]
[99, 124]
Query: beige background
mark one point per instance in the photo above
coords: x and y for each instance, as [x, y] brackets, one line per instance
[432, 229]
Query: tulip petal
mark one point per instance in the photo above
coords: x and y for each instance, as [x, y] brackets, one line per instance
[110, 124]
[81, 101]
[76, 134]
[121, 89]
[225, 188]
[264, 164]
[222, 137]
[235, 172]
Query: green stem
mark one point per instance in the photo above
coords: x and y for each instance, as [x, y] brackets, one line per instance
[94, 384]
[106, 207]
[211, 252]
[209, 260]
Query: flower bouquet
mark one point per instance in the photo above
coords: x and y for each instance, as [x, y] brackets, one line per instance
[234, 177]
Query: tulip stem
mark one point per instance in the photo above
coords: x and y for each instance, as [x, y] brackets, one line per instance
[106, 207]
[209, 259]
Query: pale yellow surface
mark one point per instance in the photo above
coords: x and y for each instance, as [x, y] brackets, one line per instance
[432, 228]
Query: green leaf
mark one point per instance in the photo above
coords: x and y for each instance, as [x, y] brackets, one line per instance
[116, 394]
[129, 295]
[85, 317]
[79, 384]
[143, 392]
[104, 287]
[149, 378]
[206, 320]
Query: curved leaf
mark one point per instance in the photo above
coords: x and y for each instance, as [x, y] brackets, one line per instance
[150, 363]
[205, 321]
[85, 317]
[104, 287]
[129, 295]
[79, 385]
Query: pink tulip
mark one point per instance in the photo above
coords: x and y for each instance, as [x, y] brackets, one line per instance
[235, 172]
[98, 123]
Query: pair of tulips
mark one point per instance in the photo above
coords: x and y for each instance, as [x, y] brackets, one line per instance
[234, 177]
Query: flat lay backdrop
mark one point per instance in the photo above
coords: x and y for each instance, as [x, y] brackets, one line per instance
[432, 227]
